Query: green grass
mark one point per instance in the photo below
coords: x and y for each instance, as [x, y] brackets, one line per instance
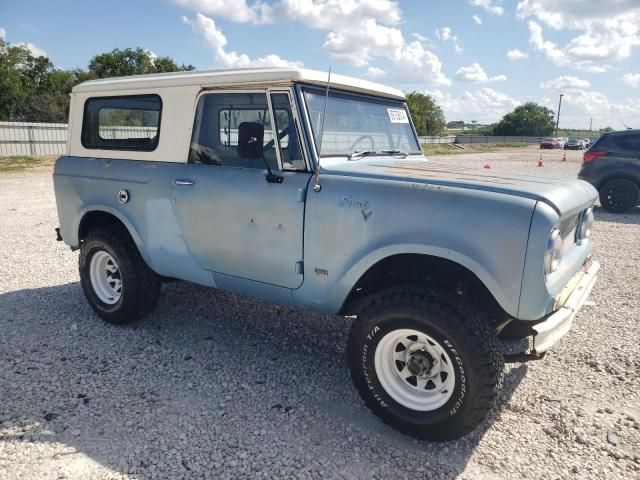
[16, 163]
[443, 149]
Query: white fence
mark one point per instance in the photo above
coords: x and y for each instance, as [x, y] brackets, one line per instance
[449, 139]
[28, 138]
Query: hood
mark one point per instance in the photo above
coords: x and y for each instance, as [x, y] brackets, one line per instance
[566, 196]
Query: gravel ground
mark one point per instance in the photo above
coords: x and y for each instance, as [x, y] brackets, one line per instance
[222, 386]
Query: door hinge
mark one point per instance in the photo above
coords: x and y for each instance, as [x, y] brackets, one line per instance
[301, 195]
[300, 268]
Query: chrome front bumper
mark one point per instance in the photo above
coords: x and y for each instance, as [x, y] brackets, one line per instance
[574, 295]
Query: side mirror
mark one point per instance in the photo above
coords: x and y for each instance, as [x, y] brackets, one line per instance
[250, 140]
[250, 145]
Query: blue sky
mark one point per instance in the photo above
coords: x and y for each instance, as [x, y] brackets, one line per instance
[478, 58]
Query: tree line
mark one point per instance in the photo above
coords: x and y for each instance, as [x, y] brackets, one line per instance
[33, 89]
[529, 119]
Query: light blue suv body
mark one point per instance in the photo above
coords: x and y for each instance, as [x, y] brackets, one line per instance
[331, 241]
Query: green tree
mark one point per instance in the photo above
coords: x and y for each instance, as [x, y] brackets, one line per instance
[120, 63]
[32, 89]
[529, 119]
[426, 114]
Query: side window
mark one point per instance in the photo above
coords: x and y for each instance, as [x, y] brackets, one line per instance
[290, 150]
[628, 142]
[129, 122]
[217, 123]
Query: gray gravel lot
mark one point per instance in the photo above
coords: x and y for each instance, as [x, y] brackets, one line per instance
[221, 386]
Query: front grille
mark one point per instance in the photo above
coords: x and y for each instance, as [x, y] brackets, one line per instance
[568, 232]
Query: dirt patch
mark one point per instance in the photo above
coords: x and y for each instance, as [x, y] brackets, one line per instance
[16, 163]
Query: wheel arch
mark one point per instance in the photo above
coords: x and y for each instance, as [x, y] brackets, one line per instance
[619, 176]
[104, 216]
[443, 268]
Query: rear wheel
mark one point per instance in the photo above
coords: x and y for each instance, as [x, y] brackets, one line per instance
[619, 195]
[425, 364]
[117, 282]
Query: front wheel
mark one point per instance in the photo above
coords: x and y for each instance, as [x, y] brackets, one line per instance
[619, 195]
[425, 364]
[117, 282]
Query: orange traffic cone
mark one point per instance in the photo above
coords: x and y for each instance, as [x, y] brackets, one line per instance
[540, 161]
[564, 157]
[487, 166]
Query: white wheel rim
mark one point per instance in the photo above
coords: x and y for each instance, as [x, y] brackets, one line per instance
[399, 355]
[105, 277]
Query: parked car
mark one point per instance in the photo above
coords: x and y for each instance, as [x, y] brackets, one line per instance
[612, 166]
[552, 143]
[235, 179]
[575, 144]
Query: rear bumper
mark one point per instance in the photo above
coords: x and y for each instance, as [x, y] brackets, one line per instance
[572, 297]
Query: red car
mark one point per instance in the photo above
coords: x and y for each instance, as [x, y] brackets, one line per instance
[551, 143]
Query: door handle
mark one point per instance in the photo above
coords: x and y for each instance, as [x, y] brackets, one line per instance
[182, 182]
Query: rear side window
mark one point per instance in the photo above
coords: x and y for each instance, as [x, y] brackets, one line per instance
[122, 123]
[628, 142]
[622, 141]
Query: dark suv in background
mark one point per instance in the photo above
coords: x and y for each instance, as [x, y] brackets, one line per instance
[612, 165]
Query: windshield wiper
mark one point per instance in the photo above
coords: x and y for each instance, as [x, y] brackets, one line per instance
[361, 153]
[396, 152]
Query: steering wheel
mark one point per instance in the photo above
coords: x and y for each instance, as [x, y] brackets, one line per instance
[360, 139]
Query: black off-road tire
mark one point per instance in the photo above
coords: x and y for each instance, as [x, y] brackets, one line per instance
[466, 337]
[619, 195]
[140, 284]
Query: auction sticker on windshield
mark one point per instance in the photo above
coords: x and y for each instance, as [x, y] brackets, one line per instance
[397, 115]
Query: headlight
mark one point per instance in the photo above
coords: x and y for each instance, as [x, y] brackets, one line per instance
[586, 225]
[552, 253]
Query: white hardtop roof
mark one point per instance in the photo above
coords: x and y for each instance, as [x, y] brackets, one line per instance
[234, 77]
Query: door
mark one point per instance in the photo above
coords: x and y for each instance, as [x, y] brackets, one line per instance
[233, 220]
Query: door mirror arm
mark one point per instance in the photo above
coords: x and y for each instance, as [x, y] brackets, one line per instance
[270, 176]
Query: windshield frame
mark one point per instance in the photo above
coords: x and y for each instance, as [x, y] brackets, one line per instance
[311, 138]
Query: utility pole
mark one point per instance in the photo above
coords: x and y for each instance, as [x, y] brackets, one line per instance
[590, 124]
[558, 120]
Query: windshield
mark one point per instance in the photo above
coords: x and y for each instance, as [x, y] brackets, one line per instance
[356, 123]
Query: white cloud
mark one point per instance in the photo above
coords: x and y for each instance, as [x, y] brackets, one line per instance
[216, 40]
[489, 5]
[565, 82]
[375, 72]
[35, 51]
[477, 19]
[3, 33]
[476, 74]
[576, 14]
[359, 32]
[632, 79]
[580, 105]
[562, 57]
[237, 11]
[607, 31]
[516, 54]
[484, 105]
[445, 34]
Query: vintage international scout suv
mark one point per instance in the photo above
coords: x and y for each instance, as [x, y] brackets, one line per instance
[312, 191]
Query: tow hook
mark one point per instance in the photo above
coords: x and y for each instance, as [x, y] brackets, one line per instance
[523, 357]
[58, 236]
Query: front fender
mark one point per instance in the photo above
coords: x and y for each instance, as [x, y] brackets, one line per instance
[338, 294]
[353, 223]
